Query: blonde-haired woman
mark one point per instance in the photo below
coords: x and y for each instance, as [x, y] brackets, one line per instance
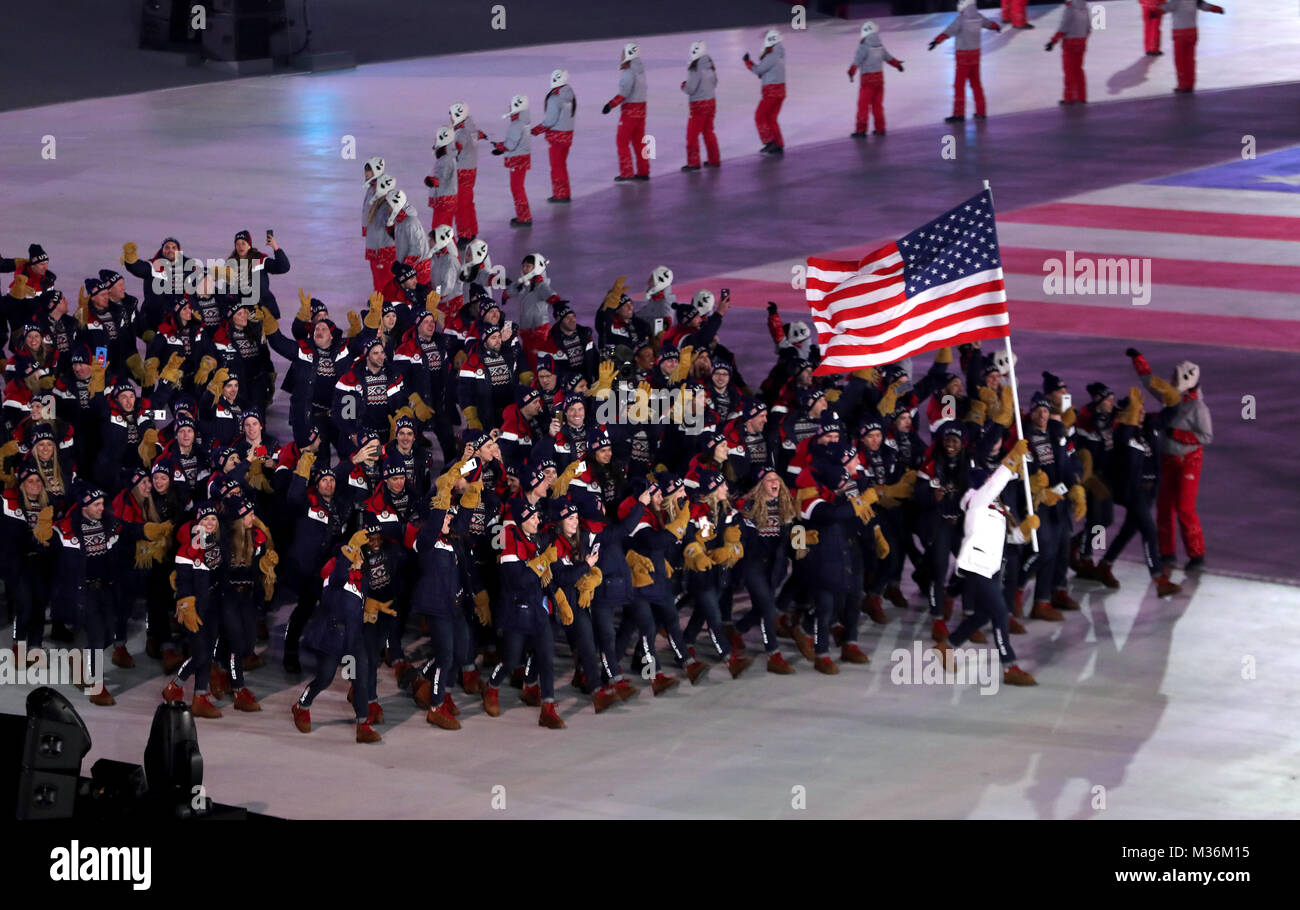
[769, 516]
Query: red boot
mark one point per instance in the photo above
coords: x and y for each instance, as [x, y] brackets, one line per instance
[978, 638]
[449, 706]
[122, 658]
[737, 642]
[1014, 676]
[471, 683]
[804, 643]
[1106, 576]
[173, 692]
[894, 594]
[827, 666]
[662, 683]
[874, 607]
[441, 717]
[776, 663]
[1015, 626]
[1166, 588]
[531, 695]
[374, 713]
[738, 663]
[939, 630]
[1044, 610]
[422, 692]
[367, 734]
[202, 706]
[103, 698]
[246, 701]
[837, 633]
[219, 683]
[171, 661]
[491, 701]
[852, 654]
[625, 690]
[301, 718]
[550, 717]
[402, 672]
[1063, 601]
[603, 698]
[696, 670]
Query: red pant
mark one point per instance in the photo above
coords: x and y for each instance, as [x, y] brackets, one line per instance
[1151, 30]
[871, 101]
[421, 267]
[968, 70]
[444, 212]
[631, 132]
[700, 124]
[1013, 11]
[769, 106]
[1180, 478]
[1076, 84]
[518, 166]
[535, 339]
[559, 142]
[381, 262]
[466, 217]
[1185, 57]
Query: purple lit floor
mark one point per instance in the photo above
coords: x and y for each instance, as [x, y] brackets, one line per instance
[1143, 697]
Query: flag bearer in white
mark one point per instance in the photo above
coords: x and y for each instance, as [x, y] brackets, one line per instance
[986, 530]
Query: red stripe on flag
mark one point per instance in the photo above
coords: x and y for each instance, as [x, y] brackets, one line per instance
[1166, 221]
[846, 344]
[921, 308]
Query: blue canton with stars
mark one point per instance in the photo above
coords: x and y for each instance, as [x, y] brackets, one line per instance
[956, 245]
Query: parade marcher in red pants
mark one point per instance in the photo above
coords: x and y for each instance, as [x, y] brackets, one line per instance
[1076, 24]
[869, 60]
[466, 135]
[1013, 13]
[380, 252]
[1183, 25]
[1151, 15]
[770, 69]
[442, 182]
[1187, 429]
[701, 87]
[517, 149]
[631, 121]
[966, 27]
[557, 124]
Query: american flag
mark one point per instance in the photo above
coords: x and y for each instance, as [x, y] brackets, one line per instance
[937, 286]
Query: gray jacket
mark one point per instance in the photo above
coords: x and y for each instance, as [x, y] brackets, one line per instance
[1183, 12]
[770, 67]
[444, 171]
[534, 310]
[966, 26]
[444, 273]
[377, 227]
[701, 80]
[409, 236]
[1076, 19]
[871, 55]
[467, 145]
[518, 141]
[631, 82]
[559, 110]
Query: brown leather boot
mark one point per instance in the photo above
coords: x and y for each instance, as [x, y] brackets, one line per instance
[246, 701]
[696, 670]
[738, 663]
[202, 706]
[470, 682]
[173, 692]
[1063, 601]
[491, 701]
[441, 717]
[449, 705]
[1106, 576]
[1015, 626]
[301, 718]
[603, 697]
[367, 734]
[422, 692]
[776, 663]
[978, 638]
[550, 717]
[894, 594]
[254, 662]
[1165, 587]
[625, 690]
[939, 630]
[852, 654]
[1014, 676]
[875, 609]
[103, 698]
[827, 666]
[374, 713]
[662, 683]
[122, 658]
[803, 641]
[1044, 610]
[219, 683]
[531, 695]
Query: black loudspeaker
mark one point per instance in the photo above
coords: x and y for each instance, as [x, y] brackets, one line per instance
[235, 37]
[40, 762]
[172, 763]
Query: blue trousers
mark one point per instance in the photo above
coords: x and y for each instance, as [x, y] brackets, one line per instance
[983, 602]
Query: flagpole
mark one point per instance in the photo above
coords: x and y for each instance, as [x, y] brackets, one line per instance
[1020, 430]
